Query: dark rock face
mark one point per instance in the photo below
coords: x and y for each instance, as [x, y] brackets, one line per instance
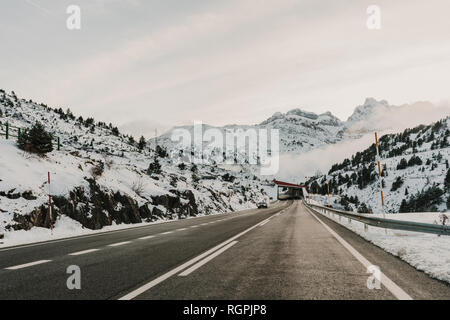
[97, 208]
[174, 204]
[38, 218]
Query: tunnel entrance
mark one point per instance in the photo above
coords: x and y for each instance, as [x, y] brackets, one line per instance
[286, 190]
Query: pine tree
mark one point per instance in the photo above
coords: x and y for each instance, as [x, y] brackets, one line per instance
[161, 152]
[404, 207]
[36, 140]
[154, 167]
[397, 184]
[447, 180]
[142, 143]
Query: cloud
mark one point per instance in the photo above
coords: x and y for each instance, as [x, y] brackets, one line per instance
[146, 128]
[385, 121]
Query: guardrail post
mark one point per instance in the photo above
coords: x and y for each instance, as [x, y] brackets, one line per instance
[7, 131]
[18, 134]
[59, 144]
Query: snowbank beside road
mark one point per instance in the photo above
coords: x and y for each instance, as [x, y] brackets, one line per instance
[426, 252]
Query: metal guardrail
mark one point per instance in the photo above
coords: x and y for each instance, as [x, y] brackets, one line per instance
[385, 223]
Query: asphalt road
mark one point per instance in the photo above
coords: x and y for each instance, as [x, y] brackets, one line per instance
[283, 252]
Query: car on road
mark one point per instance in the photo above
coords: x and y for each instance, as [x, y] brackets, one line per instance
[261, 205]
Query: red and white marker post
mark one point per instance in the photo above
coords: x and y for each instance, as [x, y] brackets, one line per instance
[50, 204]
[380, 178]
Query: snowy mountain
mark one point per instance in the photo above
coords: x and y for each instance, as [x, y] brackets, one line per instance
[101, 177]
[365, 111]
[415, 173]
[302, 131]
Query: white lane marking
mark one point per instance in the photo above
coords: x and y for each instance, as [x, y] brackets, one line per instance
[119, 244]
[193, 226]
[181, 229]
[146, 237]
[79, 253]
[167, 232]
[99, 234]
[388, 283]
[206, 260]
[263, 223]
[25, 265]
[185, 265]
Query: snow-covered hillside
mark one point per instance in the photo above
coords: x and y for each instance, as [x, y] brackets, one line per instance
[415, 173]
[100, 177]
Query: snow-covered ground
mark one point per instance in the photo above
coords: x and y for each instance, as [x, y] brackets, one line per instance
[426, 252]
[64, 228]
[425, 153]
[84, 146]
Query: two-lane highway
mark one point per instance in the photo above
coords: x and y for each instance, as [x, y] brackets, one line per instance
[114, 263]
[283, 252]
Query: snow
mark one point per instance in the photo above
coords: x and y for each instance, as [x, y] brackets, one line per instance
[83, 148]
[426, 252]
[65, 228]
[416, 178]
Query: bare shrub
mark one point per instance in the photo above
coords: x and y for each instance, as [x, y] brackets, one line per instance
[138, 186]
[97, 169]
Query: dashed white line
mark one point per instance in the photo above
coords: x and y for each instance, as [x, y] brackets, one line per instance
[79, 253]
[119, 244]
[25, 265]
[206, 260]
[146, 237]
[167, 232]
[185, 265]
[181, 229]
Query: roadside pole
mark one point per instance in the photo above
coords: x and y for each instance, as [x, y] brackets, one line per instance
[50, 204]
[328, 185]
[379, 174]
[380, 178]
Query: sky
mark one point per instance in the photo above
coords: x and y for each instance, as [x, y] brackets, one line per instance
[144, 64]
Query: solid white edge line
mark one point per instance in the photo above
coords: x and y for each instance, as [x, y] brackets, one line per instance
[206, 260]
[119, 244]
[25, 265]
[154, 282]
[388, 283]
[263, 223]
[79, 253]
